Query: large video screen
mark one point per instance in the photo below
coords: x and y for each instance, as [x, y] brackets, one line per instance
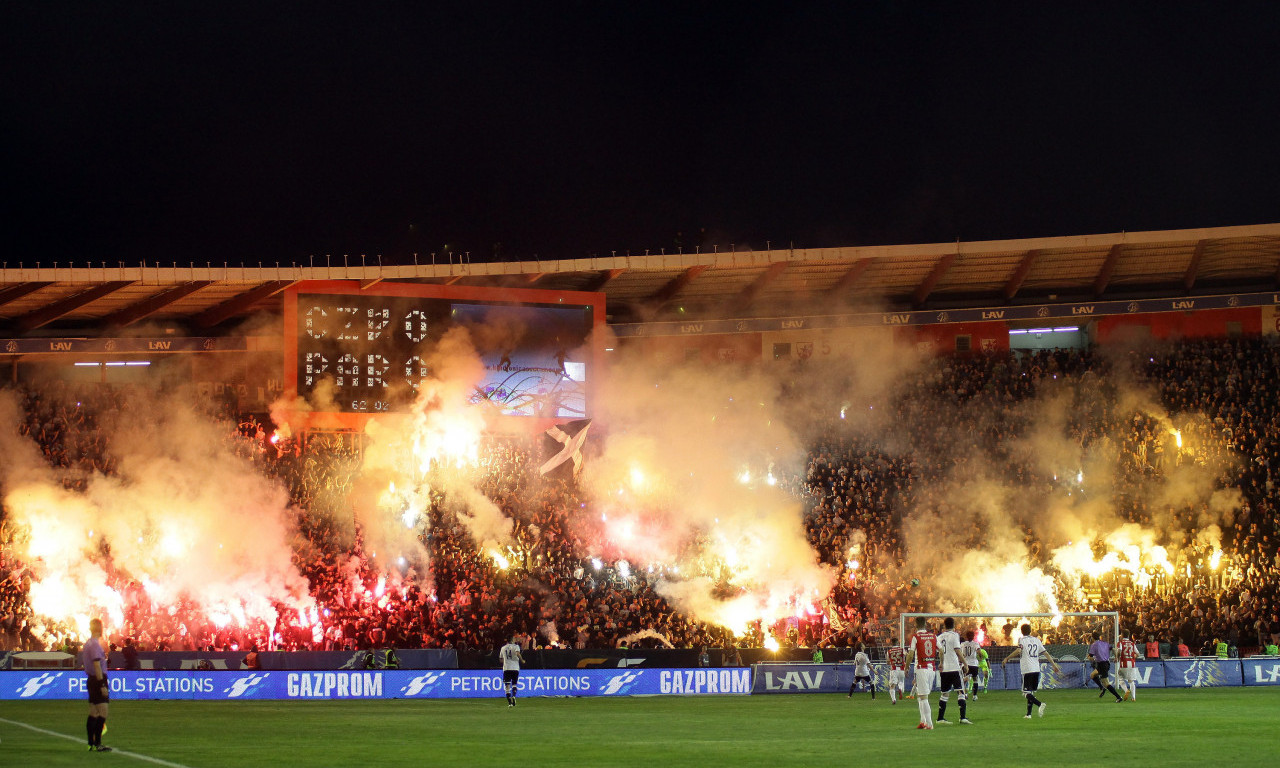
[367, 351]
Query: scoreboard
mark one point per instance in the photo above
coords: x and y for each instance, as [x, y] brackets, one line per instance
[364, 351]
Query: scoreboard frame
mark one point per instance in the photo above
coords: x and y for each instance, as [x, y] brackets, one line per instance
[304, 420]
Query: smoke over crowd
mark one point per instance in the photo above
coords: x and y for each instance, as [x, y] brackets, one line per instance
[725, 502]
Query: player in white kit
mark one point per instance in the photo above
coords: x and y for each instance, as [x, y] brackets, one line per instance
[1029, 653]
[511, 659]
[954, 671]
[969, 649]
[862, 672]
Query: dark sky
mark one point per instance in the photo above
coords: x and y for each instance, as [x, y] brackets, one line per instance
[272, 131]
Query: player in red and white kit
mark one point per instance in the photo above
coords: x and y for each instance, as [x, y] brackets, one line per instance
[1127, 656]
[923, 653]
[897, 657]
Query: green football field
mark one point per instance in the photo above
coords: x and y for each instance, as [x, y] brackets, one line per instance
[1205, 727]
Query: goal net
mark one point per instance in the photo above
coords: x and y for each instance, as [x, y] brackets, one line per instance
[1065, 635]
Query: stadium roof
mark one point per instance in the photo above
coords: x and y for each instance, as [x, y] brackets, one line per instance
[106, 300]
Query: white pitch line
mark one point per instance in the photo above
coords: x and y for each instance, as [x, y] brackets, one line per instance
[134, 755]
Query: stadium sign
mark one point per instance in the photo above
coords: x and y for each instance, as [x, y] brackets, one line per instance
[384, 684]
[133, 345]
[1264, 671]
[800, 678]
[1202, 673]
[1036, 312]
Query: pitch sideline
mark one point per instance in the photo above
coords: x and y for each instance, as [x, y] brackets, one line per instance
[134, 755]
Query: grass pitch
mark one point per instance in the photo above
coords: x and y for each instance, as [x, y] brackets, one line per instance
[1204, 727]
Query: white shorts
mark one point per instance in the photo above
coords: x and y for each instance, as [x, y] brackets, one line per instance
[1129, 674]
[897, 678]
[923, 684]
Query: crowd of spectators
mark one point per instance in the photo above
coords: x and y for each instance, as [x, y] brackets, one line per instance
[958, 417]
[968, 417]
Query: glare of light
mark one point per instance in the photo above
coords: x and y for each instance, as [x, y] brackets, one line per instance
[745, 477]
[771, 480]
[1080, 476]
[596, 564]
[410, 517]
[1215, 559]
[771, 643]
[853, 565]
[624, 568]
[730, 555]
[402, 562]
[171, 544]
[637, 478]
[1177, 436]
[843, 410]
[502, 562]
[1067, 329]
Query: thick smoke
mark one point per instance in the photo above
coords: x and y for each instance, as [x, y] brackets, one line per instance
[182, 516]
[430, 455]
[1019, 519]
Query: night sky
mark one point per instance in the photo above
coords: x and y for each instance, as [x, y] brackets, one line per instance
[276, 131]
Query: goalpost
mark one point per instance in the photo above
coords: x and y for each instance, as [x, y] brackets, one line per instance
[1071, 625]
[1064, 634]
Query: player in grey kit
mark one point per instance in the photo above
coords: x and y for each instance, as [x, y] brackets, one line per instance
[95, 666]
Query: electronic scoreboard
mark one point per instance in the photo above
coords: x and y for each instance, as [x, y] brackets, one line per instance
[359, 352]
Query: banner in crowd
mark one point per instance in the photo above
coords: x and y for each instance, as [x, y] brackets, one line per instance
[1271, 320]
[375, 684]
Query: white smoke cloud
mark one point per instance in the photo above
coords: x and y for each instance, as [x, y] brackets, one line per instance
[182, 514]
